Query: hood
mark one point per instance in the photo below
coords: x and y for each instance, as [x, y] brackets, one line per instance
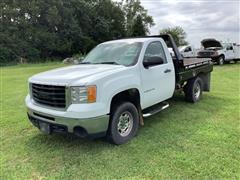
[207, 43]
[67, 75]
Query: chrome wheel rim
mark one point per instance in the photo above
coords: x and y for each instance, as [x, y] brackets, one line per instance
[125, 124]
[221, 61]
[197, 91]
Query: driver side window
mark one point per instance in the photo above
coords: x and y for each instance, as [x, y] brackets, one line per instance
[188, 49]
[155, 49]
[228, 48]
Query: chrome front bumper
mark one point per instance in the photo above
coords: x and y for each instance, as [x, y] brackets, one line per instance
[90, 120]
[90, 127]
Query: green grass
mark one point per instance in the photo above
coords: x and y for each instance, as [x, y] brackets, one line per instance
[185, 141]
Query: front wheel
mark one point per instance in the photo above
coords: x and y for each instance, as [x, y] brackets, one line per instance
[221, 60]
[124, 123]
[193, 90]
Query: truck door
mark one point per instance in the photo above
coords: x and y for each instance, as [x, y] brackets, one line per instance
[229, 53]
[236, 49]
[158, 81]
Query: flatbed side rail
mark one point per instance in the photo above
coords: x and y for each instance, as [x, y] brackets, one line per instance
[190, 66]
[189, 73]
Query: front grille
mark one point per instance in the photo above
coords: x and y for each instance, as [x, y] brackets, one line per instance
[206, 54]
[49, 95]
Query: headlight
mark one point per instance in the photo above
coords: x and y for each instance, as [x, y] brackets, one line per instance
[83, 94]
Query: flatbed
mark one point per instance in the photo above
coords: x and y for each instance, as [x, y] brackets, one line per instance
[195, 62]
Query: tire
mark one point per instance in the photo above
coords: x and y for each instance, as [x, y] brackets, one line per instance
[193, 90]
[221, 60]
[124, 123]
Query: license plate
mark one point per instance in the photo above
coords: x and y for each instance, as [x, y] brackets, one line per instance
[44, 127]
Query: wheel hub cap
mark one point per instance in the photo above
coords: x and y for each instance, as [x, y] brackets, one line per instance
[197, 91]
[125, 124]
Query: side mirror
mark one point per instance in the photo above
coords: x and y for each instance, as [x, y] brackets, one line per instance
[152, 61]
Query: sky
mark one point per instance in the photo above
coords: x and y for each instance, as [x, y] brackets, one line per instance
[219, 19]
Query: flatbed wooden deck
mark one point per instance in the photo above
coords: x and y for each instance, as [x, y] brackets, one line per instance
[194, 62]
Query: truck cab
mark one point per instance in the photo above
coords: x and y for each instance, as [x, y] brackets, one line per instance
[114, 88]
[188, 51]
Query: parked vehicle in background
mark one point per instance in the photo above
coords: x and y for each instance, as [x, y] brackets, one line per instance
[188, 51]
[219, 52]
[114, 87]
[236, 50]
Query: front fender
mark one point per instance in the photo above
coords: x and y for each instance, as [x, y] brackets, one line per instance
[121, 81]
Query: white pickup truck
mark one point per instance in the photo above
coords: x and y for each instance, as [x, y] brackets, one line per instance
[219, 52]
[188, 51]
[118, 84]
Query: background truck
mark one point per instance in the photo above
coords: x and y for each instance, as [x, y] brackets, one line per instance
[219, 52]
[117, 85]
[188, 51]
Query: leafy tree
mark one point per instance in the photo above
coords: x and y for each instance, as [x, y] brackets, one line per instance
[109, 21]
[138, 28]
[40, 29]
[133, 10]
[178, 34]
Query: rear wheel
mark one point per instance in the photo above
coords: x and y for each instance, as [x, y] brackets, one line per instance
[124, 123]
[221, 60]
[193, 90]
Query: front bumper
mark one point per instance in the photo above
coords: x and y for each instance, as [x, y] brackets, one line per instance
[93, 126]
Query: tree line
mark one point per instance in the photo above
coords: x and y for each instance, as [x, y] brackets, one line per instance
[36, 30]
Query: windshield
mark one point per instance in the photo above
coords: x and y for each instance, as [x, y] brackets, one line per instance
[225, 45]
[182, 48]
[121, 53]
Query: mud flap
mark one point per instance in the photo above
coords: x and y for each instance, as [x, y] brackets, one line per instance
[141, 121]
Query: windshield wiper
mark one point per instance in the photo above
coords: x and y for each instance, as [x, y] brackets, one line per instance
[85, 63]
[108, 62]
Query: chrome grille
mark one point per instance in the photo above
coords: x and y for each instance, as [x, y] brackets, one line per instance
[49, 95]
[206, 53]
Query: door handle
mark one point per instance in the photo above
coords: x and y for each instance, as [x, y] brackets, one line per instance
[167, 71]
